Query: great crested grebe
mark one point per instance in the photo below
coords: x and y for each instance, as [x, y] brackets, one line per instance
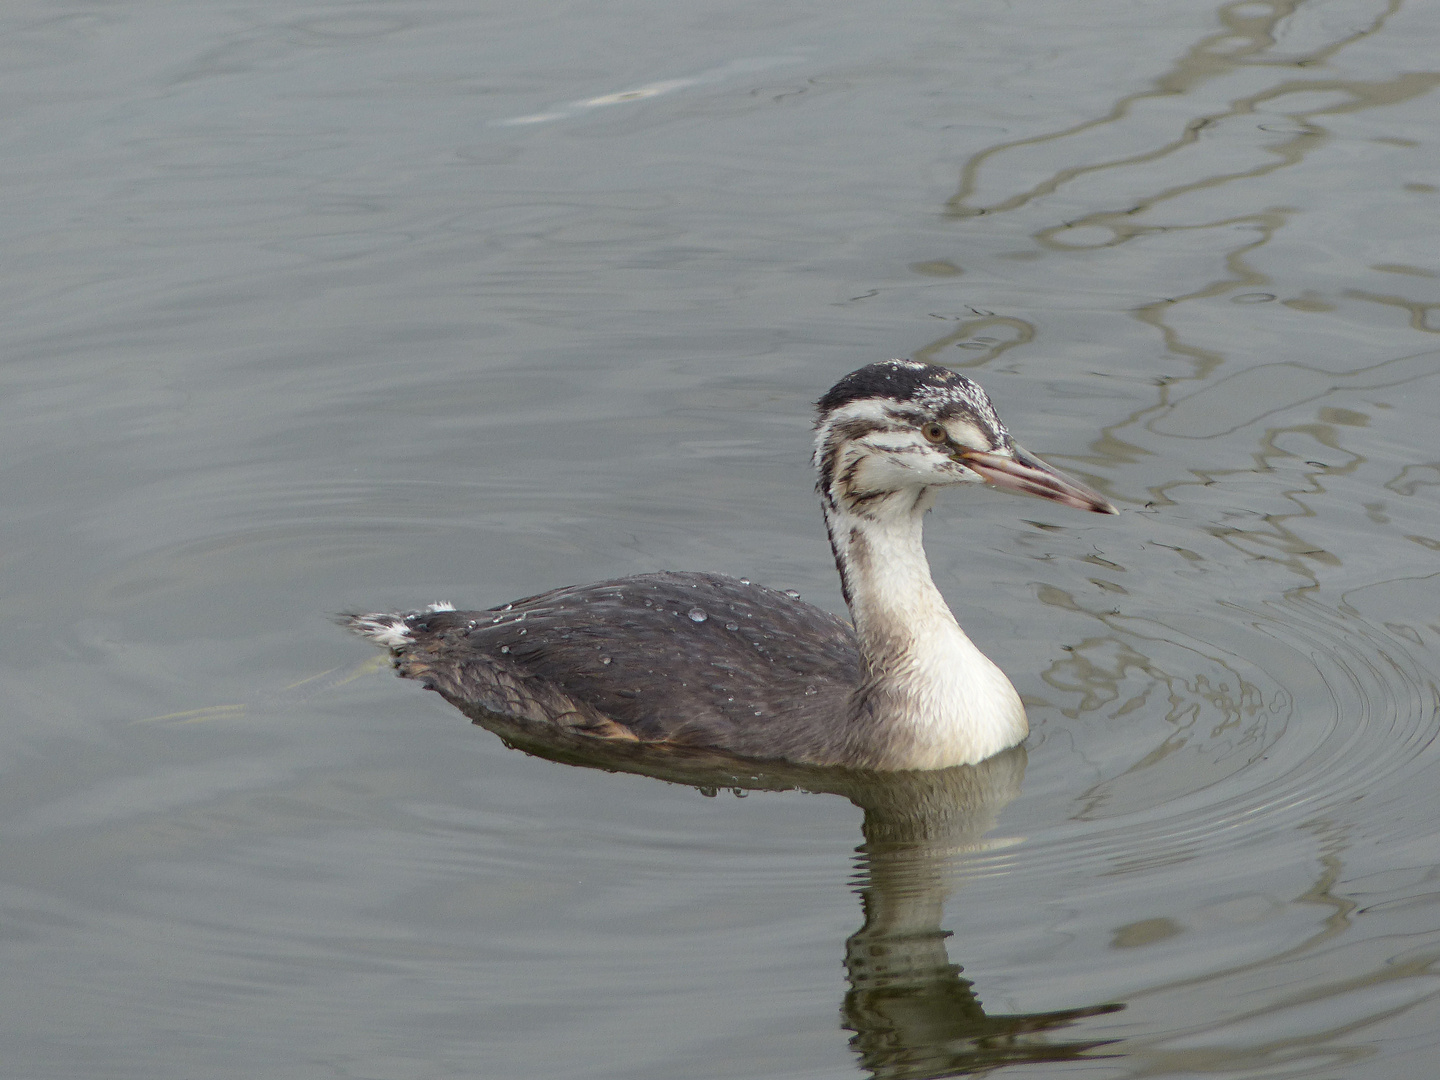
[706, 661]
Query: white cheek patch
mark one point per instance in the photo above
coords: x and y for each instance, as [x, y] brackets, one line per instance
[966, 434]
[896, 470]
[874, 473]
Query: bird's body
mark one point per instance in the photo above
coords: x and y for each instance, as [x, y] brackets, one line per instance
[701, 660]
[651, 658]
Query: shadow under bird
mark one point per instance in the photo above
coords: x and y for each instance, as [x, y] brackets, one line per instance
[704, 661]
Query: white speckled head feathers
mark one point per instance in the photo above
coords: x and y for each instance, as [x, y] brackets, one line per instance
[910, 390]
[871, 440]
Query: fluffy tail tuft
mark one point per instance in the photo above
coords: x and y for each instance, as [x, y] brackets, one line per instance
[391, 630]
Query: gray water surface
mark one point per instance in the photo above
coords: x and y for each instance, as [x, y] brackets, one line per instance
[312, 307]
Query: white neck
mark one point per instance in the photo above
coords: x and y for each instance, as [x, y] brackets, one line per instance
[938, 699]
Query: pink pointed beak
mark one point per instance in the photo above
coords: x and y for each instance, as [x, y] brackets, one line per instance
[1027, 474]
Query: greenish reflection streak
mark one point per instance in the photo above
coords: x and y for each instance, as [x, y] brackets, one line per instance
[1419, 312]
[1023, 333]
[1201, 64]
[1149, 1058]
[1215, 56]
[1247, 397]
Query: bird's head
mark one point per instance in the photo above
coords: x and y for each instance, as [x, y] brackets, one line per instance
[886, 434]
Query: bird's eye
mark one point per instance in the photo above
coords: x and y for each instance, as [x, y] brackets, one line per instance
[934, 432]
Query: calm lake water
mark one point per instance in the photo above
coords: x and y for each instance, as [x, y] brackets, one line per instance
[316, 306]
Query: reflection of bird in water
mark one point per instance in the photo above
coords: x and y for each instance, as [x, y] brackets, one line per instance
[700, 660]
[914, 1016]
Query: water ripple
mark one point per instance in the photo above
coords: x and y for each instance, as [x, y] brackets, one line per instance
[1311, 706]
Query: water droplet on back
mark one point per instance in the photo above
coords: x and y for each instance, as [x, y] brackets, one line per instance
[696, 615]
